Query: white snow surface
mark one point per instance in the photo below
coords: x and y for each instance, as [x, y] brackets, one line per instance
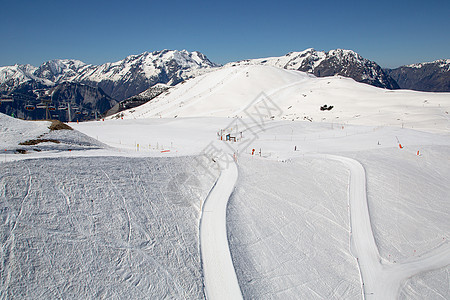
[257, 270]
[299, 96]
[429, 285]
[346, 203]
[101, 227]
[289, 230]
[220, 276]
[14, 131]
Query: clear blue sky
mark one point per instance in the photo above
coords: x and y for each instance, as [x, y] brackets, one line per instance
[392, 33]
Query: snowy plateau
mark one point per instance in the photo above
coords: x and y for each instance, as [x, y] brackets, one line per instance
[248, 182]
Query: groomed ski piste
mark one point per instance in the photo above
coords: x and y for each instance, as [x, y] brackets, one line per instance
[235, 184]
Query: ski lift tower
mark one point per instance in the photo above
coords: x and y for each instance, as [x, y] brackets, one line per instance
[45, 101]
[68, 109]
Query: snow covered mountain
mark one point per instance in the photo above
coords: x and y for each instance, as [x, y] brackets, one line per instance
[137, 73]
[429, 77]
[13, 76]
[334, 62]
[293, 95]
[349, 202]
[82, 83]
[120, 80]
[60, 70]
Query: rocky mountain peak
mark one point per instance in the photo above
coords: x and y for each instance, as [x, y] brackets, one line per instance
[58, 70]
[334, 62]
[120, 80]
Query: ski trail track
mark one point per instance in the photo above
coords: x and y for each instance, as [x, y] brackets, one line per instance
[380, 280]
[220, 276]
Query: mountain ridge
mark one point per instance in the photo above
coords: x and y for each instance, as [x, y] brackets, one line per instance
[428, 76]
[342, 62]
[126, 78]
[138, 72]
[121, 79]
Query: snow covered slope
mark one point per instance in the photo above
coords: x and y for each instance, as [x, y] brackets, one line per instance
[281, 219]
[18, 136]
[76, 224]
[288, 218]
[101, 227]
[14, 131]
[299, 96]
[334, 62]
[337, 203]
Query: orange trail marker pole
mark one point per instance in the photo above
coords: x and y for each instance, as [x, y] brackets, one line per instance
[417, 152]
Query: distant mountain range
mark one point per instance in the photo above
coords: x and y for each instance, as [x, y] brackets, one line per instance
[94, 89]
[112, 82]
[119, 80]
[428, 77]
